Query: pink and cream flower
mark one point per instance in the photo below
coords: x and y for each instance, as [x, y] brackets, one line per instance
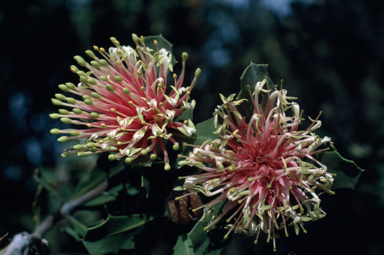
[122, 103]
[263, 168]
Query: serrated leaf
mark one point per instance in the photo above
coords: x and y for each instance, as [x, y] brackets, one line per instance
[183, 246]
[253, 74]
[112, 234]
[212, 242]
[347, 172]
[162, 43]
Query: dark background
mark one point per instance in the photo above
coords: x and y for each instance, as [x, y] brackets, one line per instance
[329, 53]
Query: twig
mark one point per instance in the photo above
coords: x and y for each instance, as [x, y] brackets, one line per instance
[68, 207]
[22, 242]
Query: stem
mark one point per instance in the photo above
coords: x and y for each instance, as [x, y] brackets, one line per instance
[22, 242]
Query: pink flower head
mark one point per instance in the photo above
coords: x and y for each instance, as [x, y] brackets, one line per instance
[122, 105]
[258, 167]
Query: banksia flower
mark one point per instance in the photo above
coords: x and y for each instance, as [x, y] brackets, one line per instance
[263, 167]
[123, 105]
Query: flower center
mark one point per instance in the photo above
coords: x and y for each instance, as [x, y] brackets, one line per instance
[260, 159]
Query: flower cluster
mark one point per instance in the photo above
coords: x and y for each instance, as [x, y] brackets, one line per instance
[262, 167]
[124, 105]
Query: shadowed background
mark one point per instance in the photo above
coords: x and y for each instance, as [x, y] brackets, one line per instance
[329, 53]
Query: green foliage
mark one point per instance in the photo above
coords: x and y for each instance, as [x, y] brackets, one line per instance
[212, 242]
[183, 246]
[162, 43]
[112, 234]
[100, 200]
[187, 114]
[204, 131]
[80, 228]
[145, 184]
[347, 173]
[46, 182]
[89, 181]
[253, 74]
[113, 170]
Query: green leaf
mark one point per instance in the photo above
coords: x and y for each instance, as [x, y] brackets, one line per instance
[253, 74]
[70, 231]
[40, 177]
[129, 244]
[105, 198]
[89, 181]
[162, 43]
[36, 207]
[132, 190]
[120, 191]
[116, 169]
[100, 200]
[80, 228]
[347, 172]
[145, 184]
[115, 190]
[183, 246]
[212, 242]
[187, 114]
[142, 161]
[111, 235]
[204, 131]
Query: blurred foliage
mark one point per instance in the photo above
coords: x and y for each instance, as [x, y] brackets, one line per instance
[329, 53]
